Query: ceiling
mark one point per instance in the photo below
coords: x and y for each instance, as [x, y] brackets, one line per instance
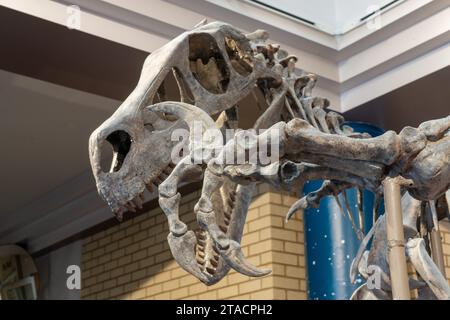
[332, 16]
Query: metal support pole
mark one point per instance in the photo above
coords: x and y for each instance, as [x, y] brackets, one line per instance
[436, 241]
[396, 239]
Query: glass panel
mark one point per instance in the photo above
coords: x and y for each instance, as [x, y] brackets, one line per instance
[332, 16]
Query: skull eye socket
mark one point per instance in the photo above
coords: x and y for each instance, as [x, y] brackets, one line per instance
[121, 143]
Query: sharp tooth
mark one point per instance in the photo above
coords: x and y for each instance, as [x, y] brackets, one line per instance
[149, 187]
[172, 165]
[213, 263]
[141, 196]
[137, 202]
[163, 175]
[210, 270]
[201, 236]
[223, 228]
[201, 262]
[130, 206]
[227, 214]
[157, 181]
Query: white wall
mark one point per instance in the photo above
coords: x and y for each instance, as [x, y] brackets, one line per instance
[52, 272]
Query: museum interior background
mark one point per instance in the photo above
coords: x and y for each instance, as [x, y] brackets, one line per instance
[57, 84]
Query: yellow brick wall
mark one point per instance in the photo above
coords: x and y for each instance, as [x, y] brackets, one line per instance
[445, 235]
[132, 260]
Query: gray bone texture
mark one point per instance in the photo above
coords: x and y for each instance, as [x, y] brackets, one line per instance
[215, 67]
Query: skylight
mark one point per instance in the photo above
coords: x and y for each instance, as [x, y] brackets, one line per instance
[332, 16]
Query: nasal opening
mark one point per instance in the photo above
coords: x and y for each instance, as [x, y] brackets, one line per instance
[121, 143]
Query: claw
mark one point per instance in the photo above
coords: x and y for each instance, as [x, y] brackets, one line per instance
[234, 257]
[300, 204]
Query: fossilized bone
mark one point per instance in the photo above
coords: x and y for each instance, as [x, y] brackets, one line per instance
[216, 66]
[431, 283]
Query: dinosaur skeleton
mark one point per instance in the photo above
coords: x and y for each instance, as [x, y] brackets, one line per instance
[215, 67]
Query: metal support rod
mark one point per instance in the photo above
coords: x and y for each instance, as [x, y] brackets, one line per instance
[436, 241]
[396, 239]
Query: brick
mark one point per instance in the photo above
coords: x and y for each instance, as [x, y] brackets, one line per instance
[116, 291]
[162, 296]
[124, 260]
[139, 294]
[283, 234]
[110, 265]
[105, 258]
[104, 241]
[266, 245]
[273, 210]
[259, 224]
[284, 258]
[447, 238]
[132, 248]
[236, 278]
[117, 272]
[98, 252]
[179, 293]
[90, 264]
[228, 292]
[140, 274]
[139, 255]
[294, 225]
[118, 235]
[132, 230]
[125, 242]
[301, 261]
[163, 256]
[154, 249]
[153, 290]
[149, 261]
[103, 295]
[131, 286]
[103, 276]
[303, 285]
[170, 285]
[86, 256]
[252, 215]
[98, 235]
[131, 267]
[124, 279]
[89, 282]
[288, 200]
[178, 272]
[445, 248]
[109, 284]
[116, 254]
[250, 238]
[294, 247]
[162, 277]
[208, 296]
[296, 295]
[296, 272]
[188, 280]
[267, 294]
[241, 297]
[250, 286]
[141, 235]
[111, 247]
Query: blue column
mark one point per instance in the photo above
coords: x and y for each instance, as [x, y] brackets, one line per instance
[330, 242]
